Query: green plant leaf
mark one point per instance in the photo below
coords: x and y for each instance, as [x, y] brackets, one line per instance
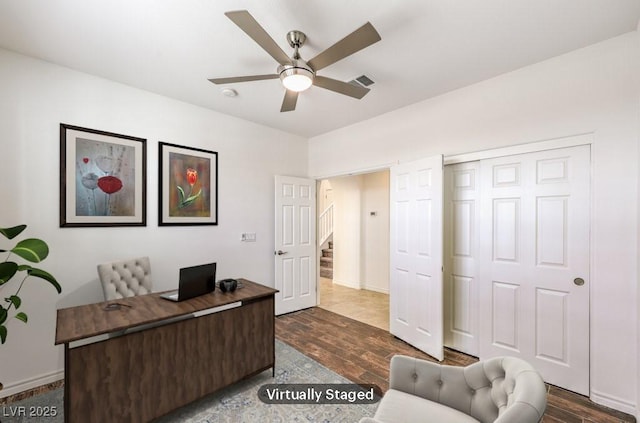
[3, 315]
[189, 200]
[3, 334]
[7, 270]
[22, 317]
[13, 232]
[186, 203]
[193, 197]
[39, 273]
[180, 195]
[31, 249]
[15, 300]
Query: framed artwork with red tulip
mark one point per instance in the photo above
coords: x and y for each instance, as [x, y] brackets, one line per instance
[103, 178]
[188, 192]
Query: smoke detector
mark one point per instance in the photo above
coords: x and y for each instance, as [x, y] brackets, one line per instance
[229, 92]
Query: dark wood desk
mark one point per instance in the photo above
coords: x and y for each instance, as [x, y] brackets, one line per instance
[147, 373]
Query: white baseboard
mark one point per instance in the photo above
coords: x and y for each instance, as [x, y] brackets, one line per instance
[613, 402]
[31, 383]
[376, 289]
[354, 285]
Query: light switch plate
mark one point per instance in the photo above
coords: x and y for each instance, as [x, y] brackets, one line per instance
[248, 237]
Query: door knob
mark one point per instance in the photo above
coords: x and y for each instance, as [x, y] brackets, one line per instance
[578, 281]
[280, 252]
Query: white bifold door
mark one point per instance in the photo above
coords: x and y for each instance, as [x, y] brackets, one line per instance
[295, 244]
[416, 303]
[534, 262]
[516, 259]
[461, 262]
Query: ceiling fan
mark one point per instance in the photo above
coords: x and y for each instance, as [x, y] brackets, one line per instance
[296, 74]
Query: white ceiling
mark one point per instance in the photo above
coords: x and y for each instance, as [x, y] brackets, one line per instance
[428, 47]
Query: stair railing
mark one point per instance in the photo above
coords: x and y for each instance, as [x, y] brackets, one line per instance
[325, 224]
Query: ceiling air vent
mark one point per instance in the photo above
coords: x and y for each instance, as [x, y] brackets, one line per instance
[363, 81]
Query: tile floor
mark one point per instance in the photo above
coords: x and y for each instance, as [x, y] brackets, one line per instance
[359, 304]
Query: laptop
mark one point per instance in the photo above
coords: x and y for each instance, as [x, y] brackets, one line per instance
[194, 281]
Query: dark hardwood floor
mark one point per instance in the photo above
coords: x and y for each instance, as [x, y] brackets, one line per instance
[361, 353]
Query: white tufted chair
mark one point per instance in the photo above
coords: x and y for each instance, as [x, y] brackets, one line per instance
[497, 390]
[125, 278]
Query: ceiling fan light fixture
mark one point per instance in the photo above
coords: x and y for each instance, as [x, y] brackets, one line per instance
[296, 77]
[295, 74]
[297, 82]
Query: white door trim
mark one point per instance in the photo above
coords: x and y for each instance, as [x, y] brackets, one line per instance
[360, 171]
[527, 147]
[531, 147]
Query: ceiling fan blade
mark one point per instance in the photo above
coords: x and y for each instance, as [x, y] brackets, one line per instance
[340, 87]
[248, 24]
[356, 41]
[243, 78]
[289, 102]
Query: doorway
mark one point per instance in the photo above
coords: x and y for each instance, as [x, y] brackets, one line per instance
[530, 314]
[358, 245]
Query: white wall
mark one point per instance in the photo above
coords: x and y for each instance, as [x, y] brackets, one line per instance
[325, 195]
[592, 90]
[35, 97]
[347, 231]
[638, 258]
[361, 241]
[375, 231]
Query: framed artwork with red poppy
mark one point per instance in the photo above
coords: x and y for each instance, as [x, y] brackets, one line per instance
[188, 192]
[102, 178]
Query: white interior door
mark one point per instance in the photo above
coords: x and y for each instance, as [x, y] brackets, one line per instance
[461, 264]
[534, 262]
[415, 290]
[295, 244]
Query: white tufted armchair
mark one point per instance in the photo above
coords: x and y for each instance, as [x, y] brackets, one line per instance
[497, 390]
[125, 278]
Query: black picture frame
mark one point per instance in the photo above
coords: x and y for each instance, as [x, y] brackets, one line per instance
[188, 186]
[103, 178]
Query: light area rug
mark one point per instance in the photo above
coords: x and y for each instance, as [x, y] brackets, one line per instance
[238, 403]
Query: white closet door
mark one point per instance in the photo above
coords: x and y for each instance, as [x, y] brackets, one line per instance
[461, 228]
[415, 291]
[534, 271]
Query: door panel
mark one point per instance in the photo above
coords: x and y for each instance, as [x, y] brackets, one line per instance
[551, 325]
[534, 246]
[551, 223]
[416, 254]
[461, 194]
[505, 315]
[295, 244]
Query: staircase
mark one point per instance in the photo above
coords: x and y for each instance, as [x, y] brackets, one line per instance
[325, 232]
[326, 262]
